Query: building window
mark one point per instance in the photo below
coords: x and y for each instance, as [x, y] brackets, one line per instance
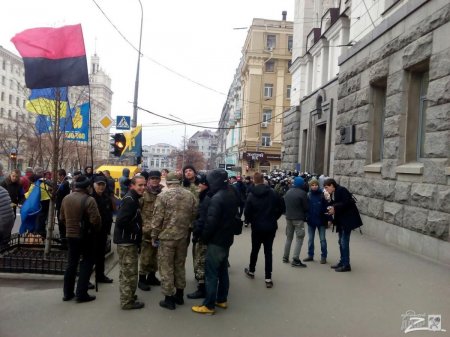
[290, 43]
[17, 101]
[270, 66]
[267, 115]
[289, 64]
[265, 139]
[10, 99]
[11, 84]
[3, 96]
[378, 113]
[288, 91]
[9, 114]
[2, 111]
[271, 41]
[268, 90]
[4, 65]
[416, 114]
[3, 80]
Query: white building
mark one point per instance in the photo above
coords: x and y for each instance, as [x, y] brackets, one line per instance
[205, 142]
[157, 157]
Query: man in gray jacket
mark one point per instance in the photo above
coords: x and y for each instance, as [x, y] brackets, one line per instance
[296, 201]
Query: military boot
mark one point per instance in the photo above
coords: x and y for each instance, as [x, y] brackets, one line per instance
[142, 284]
[152, 280]
[179, 297]
[168, 303]
[199, 293]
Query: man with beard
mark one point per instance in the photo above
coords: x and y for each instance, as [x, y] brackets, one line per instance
[149, 253]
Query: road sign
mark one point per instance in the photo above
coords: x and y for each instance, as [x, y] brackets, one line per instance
[229, 166]
[106, 121]
[123, 123]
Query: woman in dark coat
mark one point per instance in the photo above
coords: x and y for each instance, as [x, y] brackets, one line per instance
[346, 218]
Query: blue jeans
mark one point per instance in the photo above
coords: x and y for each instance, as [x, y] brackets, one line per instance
[323, 241]
[216, 275]
[344, 247]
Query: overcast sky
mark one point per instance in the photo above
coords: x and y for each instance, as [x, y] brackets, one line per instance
[194, 38]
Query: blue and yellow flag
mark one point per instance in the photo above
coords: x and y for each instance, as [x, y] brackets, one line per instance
[134, 141]
[43, 101]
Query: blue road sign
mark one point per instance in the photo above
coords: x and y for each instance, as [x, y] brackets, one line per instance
[123, 123]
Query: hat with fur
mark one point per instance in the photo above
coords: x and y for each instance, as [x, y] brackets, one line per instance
[82, 182]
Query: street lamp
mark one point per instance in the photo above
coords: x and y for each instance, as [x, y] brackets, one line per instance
[184, 140]
[136, 84]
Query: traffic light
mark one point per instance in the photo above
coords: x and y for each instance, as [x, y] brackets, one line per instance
[118, 144]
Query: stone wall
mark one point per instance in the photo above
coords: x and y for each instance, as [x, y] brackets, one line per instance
[418, 202]
[291, 132]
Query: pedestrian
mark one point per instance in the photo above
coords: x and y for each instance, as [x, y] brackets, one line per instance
[89, 172]
[263, 208]
[198, 246]
[124, 182]
[2, 176]
[240, 191]
[317, 219]
[110, 183]
[218, 234]
[174, 211]
[14, 187]
[346, 218]
[25, 179]
[80, 214]
[6, 216]
[63, 190]
[189, 179]
[76, 174]
[164, 173]
[105, 207]
[296, 202]
[149, 254]
[128, 237]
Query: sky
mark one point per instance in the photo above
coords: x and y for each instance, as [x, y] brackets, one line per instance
[196, 39]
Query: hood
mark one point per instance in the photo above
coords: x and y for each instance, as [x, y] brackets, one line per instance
[217, 180]
[126, 172]
[260, 190]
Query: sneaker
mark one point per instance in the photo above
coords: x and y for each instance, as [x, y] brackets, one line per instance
[323, 260]
[134, 305]
[337, 265]
[222, 305]
[297, 263]
[203, 309]
[343, 269]
[308, 259]
[285, 260]
[250, 274]
[269, 283]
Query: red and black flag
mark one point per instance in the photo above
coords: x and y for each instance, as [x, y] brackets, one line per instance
[53, 57]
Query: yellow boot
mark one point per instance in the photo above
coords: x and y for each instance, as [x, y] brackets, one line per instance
[203, 309]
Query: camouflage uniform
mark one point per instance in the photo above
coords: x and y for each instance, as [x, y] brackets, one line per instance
[128, 261]
[149, 254]
[174, 211]
[199, 256]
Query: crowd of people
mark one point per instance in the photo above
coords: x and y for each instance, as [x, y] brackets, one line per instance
[162, 212]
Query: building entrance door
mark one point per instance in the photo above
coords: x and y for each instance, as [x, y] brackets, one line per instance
[319, 157]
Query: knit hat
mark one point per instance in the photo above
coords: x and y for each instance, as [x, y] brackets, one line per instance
[313, 181]
[299, 182]
[82, 182]
[189, 166]
[154, 173]
[201, 178]
[172, 178]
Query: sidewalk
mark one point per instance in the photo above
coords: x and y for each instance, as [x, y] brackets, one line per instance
[384, 284]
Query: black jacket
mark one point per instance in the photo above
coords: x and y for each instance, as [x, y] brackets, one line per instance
[199, 223]
[346, 214]
[14, 189]
[63, 190]
[221, 211]
[263, 208]
[105, 207]
[128, 228]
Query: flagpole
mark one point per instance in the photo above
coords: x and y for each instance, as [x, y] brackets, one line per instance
[136, 84]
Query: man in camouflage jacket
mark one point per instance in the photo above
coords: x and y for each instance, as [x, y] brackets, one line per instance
[148, 263]
[174, 211]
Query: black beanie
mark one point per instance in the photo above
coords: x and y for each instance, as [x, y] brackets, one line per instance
[82, 182]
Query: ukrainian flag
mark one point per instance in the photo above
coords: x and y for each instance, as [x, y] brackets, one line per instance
[43, 101]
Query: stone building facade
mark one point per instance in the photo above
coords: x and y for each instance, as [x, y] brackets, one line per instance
[394, 93]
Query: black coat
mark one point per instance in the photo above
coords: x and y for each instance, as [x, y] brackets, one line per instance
[346, 214]
[128, 228]
[63, 190]
[105, 207]
[202, 214]
[263, 208]
[221, 212]
[14, 189]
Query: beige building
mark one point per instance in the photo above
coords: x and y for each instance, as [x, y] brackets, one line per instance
[266, 86]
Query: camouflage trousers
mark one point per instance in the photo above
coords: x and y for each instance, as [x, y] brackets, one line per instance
[198, 257]
[171, 261]
[148, 260]
[128, 262]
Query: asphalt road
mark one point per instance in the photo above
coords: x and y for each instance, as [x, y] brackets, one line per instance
[384, 284]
